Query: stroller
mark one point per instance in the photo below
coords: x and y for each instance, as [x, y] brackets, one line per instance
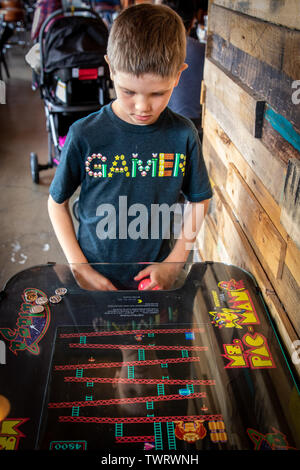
[74, 77]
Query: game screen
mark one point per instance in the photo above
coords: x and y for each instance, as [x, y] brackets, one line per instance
[197, 367]
[132, 387]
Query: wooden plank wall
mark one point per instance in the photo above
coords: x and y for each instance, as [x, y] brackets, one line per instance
[251, 144]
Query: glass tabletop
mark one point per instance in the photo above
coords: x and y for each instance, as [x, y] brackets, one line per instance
[195, 366]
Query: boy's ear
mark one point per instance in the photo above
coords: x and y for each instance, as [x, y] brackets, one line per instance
[110, 71]
[182, 68]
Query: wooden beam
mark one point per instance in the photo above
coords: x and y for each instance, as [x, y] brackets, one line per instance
[290, 214]
[291, 57]
[273, 85]
[276, 144]
[236, 96]
[269, 169]
[206, 243]
[283, 127]
[257, 38]
[288, 291]
[217, 170]
[219, 151]
[264, 41]
[285, 12]
[292, 260]
[265, 239]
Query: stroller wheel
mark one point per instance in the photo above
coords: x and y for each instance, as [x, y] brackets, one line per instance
[75, 209]
[34, 166]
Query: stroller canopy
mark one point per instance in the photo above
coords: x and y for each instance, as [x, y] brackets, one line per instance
[75, 41]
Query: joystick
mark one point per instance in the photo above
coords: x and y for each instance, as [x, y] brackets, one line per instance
[145, 282]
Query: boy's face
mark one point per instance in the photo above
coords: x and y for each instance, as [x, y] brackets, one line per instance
[141, 100]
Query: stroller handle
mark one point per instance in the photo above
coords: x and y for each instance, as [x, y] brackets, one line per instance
[57, 13]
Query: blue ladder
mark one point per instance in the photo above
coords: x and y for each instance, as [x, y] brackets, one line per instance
[158, 436]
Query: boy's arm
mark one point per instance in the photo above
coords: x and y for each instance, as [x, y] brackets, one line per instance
[165, 273]
[85, 275]
[193, 219]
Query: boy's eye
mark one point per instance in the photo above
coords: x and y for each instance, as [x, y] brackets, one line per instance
[131, 93]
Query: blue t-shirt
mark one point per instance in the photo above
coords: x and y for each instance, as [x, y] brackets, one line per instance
[185, 99]
[130, 176]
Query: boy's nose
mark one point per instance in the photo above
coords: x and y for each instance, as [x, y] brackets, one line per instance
[142, 104]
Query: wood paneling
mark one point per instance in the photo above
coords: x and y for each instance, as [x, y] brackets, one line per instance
[251, 143]
[241, 254]
[274, 86]
[256, 212]
[268, 167]
[290, 213]
[226, 152]
[236, 96]
[283, 12]
[257, 225]
[267, 42]
[277, 144]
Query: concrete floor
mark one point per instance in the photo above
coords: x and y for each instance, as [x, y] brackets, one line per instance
[26, 235]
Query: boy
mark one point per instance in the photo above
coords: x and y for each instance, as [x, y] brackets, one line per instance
[132, 157]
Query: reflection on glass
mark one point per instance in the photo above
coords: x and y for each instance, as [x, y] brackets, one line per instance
[194, 367]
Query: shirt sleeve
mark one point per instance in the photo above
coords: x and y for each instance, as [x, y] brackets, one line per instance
[196, 185]
[69, 173]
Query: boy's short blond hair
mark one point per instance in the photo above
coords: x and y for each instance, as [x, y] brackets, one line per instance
[147, 38]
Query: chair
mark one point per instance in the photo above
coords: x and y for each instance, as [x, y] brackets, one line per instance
[10, 14]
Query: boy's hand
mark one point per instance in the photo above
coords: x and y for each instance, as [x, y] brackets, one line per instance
[88, 278]
[162, 274]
